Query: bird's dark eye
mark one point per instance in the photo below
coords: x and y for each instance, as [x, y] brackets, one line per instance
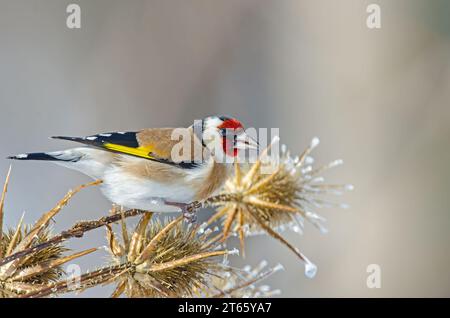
[223, 132]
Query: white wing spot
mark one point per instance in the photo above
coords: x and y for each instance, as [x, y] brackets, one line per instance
[105, 135]
[91, 138]
[22, 156]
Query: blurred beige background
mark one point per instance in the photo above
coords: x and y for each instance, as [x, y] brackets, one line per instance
[379, 99]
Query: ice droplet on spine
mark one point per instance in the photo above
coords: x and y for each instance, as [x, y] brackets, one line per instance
[336, 163]
[234, 251]
[310, 268]
[262, 264]
[297, 229]
[349, 187]
[202, 228]
[278, 267]
[309, 160]
[264, 288]
[318, 179]
[314, 142]
[322, 228]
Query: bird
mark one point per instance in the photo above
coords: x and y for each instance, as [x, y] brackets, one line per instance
[157, 169]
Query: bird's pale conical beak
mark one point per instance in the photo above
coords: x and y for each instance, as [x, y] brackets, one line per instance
[244, 141]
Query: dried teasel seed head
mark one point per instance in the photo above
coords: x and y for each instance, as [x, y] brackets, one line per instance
[254, 202]
[163, 258]
[26, 273]
[38, 267]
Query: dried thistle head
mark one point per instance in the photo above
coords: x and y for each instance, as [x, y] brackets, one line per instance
[163, 259]
[12, 238]
[253, 201]
[28, 273]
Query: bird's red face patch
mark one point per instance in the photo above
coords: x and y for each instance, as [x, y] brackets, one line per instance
[228, 147]
[227, 143]
[231, 124]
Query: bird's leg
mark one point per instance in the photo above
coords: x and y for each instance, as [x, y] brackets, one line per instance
[188, 209]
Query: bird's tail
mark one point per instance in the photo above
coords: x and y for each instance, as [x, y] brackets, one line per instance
[90, 161]
[66, 156]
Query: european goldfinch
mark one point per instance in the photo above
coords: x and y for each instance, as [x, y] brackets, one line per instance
[139, 171]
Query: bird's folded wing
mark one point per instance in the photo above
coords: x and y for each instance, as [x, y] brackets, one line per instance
[154, 144]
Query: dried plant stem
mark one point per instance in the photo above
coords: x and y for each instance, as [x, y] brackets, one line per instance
[274, 234]
[186, 260]
[77, 230]
[2, 202]
[221, 199]
[86, 280]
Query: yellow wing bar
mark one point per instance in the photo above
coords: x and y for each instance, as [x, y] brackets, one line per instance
[143, 152]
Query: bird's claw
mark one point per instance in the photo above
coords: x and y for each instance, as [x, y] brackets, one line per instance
[190, 217]
[190, 210]
[194, 206]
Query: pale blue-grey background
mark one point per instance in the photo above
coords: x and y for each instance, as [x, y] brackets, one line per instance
[379, 99]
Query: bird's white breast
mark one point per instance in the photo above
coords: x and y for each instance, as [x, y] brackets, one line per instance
[144, 193]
